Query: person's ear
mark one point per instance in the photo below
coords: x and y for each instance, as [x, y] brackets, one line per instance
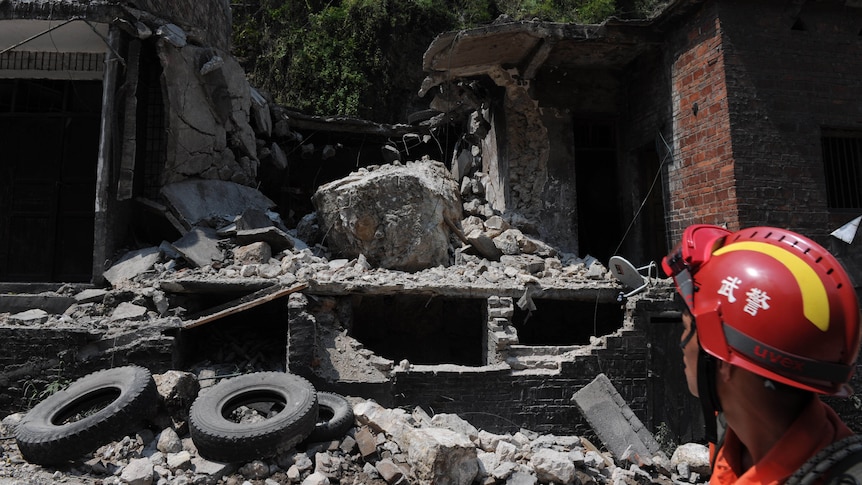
[725, 371]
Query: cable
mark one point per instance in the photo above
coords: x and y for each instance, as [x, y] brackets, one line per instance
[668, 156]
[51, 29]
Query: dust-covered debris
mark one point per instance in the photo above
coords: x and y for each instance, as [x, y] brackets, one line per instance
[384, 446]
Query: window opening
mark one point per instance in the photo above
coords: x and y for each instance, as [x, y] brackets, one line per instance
[152, 137]
[842, 160]
[420, 328]
[565, 322]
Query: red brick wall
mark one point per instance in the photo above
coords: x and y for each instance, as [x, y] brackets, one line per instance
[702, 181]
[768, 77]
[791, 71]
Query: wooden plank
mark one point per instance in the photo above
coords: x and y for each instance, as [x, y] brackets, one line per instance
[241, 304]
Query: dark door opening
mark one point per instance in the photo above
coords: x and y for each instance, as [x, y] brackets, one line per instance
[651, 219]
[597, 186]
[49, 134]
[422, 329]
[670, 404]
[563, 322]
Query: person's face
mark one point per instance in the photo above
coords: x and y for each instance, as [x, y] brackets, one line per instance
[689, 351]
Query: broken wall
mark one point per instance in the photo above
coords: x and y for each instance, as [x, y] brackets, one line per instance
[517, 385]
[34, 360]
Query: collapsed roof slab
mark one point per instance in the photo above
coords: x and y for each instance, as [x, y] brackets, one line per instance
[527, 46]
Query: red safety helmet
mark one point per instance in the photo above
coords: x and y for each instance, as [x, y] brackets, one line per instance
[770, 301]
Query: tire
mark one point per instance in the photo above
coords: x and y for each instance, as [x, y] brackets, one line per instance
[122, 398]
[334, 418]
[220, 438]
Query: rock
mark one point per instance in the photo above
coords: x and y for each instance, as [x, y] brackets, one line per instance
[181, 460]
[394, 422]
[316, 479]
[132, 264]
[455, 423]
[139, 471]
[254, 253]
[169, 441]
[443, 457]
[694, 455]
[396, 215]
[389, 471]
[255, 470]
[505, 451]
[553, 466]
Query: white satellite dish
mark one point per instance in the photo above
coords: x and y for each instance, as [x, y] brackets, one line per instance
[629, 275]
[848, 231]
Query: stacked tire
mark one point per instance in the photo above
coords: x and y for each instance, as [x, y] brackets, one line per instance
[293, 411]
[285, 411]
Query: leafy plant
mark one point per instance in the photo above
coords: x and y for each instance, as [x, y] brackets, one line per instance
[32, 394]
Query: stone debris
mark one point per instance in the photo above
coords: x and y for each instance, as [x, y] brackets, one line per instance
[384, 447]
[395, 215]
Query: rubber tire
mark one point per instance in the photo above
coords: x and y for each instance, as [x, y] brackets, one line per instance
[220, 439]
[341, 421]
[43, 439]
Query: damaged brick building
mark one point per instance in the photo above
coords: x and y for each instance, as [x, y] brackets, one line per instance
[590, 141]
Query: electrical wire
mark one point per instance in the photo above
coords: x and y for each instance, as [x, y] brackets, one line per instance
[668, 157]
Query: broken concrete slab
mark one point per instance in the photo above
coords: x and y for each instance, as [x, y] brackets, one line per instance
[484, 245]
[30, 317]
[200, 246]
[214, 286]
[396, 215]
[128, 311]
[132, 264]
[90, 295]
[275, 237]
[613, 421]
[253, 218]
[212, 203]
[14, 303]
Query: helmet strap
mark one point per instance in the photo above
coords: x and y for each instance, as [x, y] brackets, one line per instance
[708, 394]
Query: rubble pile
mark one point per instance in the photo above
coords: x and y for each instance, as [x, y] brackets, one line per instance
[384, 447]
[246, 248]
[247, 245]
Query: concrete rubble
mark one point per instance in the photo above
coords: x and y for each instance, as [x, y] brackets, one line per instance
[384, 447]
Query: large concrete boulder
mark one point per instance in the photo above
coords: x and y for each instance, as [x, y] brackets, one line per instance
[395, 215]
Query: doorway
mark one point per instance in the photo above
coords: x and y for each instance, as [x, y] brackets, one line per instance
[597, 188]
[49, 141]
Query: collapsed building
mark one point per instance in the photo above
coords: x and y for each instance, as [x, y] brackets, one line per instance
[180, 219]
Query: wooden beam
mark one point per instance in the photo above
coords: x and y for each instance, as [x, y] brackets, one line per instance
[241, 304]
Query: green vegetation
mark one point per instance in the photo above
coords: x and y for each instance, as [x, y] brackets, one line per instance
[58, 382]
[364, 57]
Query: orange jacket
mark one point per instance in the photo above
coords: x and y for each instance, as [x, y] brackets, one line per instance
[817, 427]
